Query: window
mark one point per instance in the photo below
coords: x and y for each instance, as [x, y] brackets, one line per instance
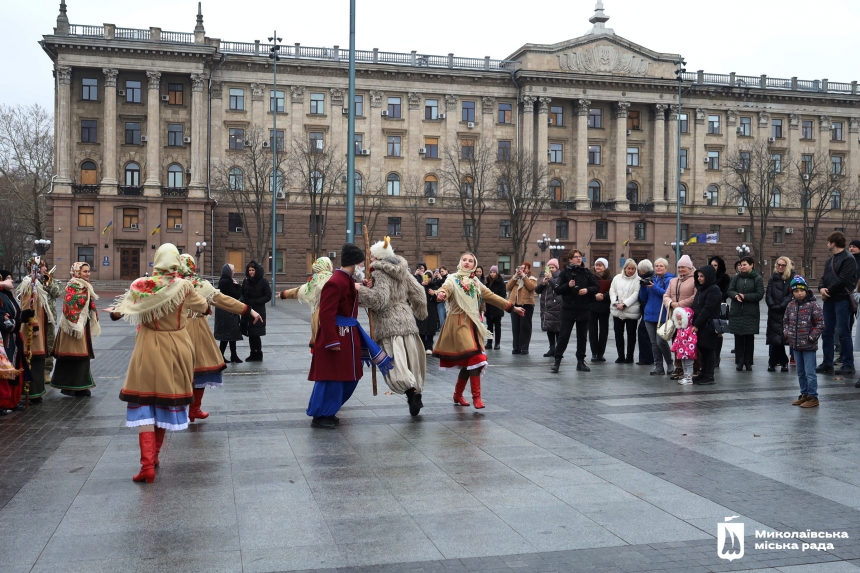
[174, 218]
[594, 155]
[805, 199]
[315, 181]
[683, 123]
[431, 227]
[276, 139]
[744, 196]
[683, 159]
[87, 255]
[682, 194]
[89, 131]
[836, 165]
[594, 192]
[556, 115]
[776, 162]
[394, 146]
[505, 112]
[358, 227]
[562, 229]
[467, 187]
[89, 175]
[174, 94]
[469, 228]
[317, 141]
[359, 106]
[394, 226]
[745, 127]
[357, 182]
[237, 99]
[504, 228]
[431, 148]
[237, 179]
[713, 160]
[130, 218]
[90, 89]
[276, 101]
[633, 156]
[132, 133]
[468, 111]
[276, 182]
[279, 261]
[431, 109]
[504, 264]
[714, 124]
[174, 134]
[639, 231]
[556, 153]
[234, 222]
[777, 234]
[836, 131]
[685, 232]
[633, 120]
[504, 150]
[87, 217]
[633, 192]
[712, 195]
[393, 184]
[776, 128]
[747, 234]
[503, 188]
[595, 118]
[806, 130]
[394, 107]
[836, 199]
[279, 223]
[132, 175]
[318, 104]
[601, 230]
[744, 161]
[174, 176]
[132, 92]
[431, 186]
[316, 224]
[467, 149]
[715, 230]
[806, 163]
[776, 197]
[359, 143]
[556, 192]
[237, 138]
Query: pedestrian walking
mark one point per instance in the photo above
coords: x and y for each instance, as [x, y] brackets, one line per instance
[598, 322]
[550, 305]
[777, 297]
[227, 325]
[577, 287]
[651, 292]
[835, 286]
[521, 292]
[707, 304]
[803, 324]
[625, 310]
[256, 292]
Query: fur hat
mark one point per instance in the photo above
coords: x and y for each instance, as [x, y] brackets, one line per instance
[383, 249]
[350, 255]
[685, 315]
[685, 261]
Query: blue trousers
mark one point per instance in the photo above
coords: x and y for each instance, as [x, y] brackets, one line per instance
[837, 317]
[328, 397]
[805, 360]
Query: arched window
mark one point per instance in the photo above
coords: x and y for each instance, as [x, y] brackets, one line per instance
[776, 197]
[633, 192]
[132, 175]
[276, 183]
[682, 194]
[594, 192]
[88, 173]
[316, 182]
[237, 179]
[503, 188]
[467, 187]
[393, 184]
[356, 183]
[836, 199]
[174, 176]
[431, 186]
[555, 190]
[712, 195]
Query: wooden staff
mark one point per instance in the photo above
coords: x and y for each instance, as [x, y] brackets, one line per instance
[369, 314]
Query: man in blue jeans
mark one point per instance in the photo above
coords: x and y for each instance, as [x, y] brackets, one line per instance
[836, 286]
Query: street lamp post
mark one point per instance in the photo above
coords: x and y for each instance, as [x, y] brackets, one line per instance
[350, 136]
[276, 181]
[201, 248]
[543, 244]
[42, 246]
[743, 251]
[679, 73]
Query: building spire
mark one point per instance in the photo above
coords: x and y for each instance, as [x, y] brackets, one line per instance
[62, 20]
[199, 26]
[599, 19]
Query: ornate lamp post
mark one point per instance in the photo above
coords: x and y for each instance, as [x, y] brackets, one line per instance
[743, 251]
[42, 246]
[201, 248]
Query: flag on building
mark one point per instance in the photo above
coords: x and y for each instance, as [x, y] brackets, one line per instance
[626, 242]
[108, 228]
[703, 237]
[156, 230]
[712, 238]
[693, 239]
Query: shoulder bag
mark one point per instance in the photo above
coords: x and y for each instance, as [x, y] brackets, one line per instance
[666, 331]
[720, 325]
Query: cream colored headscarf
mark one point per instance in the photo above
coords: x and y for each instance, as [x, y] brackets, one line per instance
[310, 293]
[467, 295]
[188, 270]
[150, 298]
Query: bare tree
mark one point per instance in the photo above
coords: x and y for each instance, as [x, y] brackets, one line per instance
[16, 234]
[370, 200]
[522, 186]
[851, 211]
[316, 172]
[26, 164]
[246, 181]
[470, 168]
[751, 174]
[413, 189]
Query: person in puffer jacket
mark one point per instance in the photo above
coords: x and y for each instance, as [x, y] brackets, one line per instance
[802, 327]
[625, 309]
[685, 343]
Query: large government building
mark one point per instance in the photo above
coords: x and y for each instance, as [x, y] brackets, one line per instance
[152, 126]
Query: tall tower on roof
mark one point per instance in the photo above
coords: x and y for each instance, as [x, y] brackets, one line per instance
[62, 20]
[599, 19]
[199, 26]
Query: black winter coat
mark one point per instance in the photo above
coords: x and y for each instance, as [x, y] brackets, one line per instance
[777, 297]
[575, 306]
[550, 304]
[601, 306]
[706, 306]
[429, 326]
[723, 280]
[227, 325]
[838, 276]
[498, 288]
[256, 292]
[744, 316]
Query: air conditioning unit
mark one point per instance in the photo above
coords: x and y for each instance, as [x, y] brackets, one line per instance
[332, 255]
[740, 131]
[132, 226]
[741, 210]
[740, 230]
[178, 226]
[365, 152]
[186, 140]
[143, 139]
[789, 230]
[345, 111]
[431, 200]
[422, 151]
[771, 140]
[806, 176]
[441, 116]
[704, 160]
[681, 170]
[468, 202]
[266, 144]
[165, 98]
[120, 93]
[835, 176]
[470, 124]
[281, 194]
[319, 143]
[550, 122]
[238, 230]
[385, 113]
[343, 178]
[246, 143]
[629, 170]
[629, 132]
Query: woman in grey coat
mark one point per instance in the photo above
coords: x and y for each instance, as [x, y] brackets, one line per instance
[550, 304]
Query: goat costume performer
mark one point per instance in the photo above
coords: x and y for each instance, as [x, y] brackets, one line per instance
[73, 347]
[396, 299]
[310, 293]
[461, 343]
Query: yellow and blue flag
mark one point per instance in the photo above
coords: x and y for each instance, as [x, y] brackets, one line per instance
[156, 230]
[626, 242]
[108, 228]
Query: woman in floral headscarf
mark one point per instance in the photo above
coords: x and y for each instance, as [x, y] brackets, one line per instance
[73, 347]
[461, 343]
[310, 293]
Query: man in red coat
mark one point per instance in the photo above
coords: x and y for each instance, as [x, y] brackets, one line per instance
[336, 363]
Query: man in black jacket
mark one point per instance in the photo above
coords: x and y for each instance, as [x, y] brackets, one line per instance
[836, 285]
[577, 287]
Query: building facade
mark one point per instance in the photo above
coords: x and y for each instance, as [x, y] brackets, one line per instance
[147, 119]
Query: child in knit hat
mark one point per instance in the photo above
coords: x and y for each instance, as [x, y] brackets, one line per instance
[802, 327]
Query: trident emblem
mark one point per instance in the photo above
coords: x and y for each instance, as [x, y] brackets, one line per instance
[730, 539]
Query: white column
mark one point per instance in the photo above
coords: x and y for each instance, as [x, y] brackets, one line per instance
[621, 203]
[542, 144]
[198, 124]
[580, 150]
[109, 140]
[153, 131]
[64, 123]
[528, 126]
[824, 127]
[672, 159]
[658, 172]
[698, 154]
[853, 147]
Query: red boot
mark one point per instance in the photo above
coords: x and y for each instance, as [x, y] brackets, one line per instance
[159, 439]
[147, 457]
[194, 411]
[475, 382]
[458, 393]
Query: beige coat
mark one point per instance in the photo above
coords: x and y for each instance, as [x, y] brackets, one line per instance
[207, 354]
[458, 339]
[522, 295]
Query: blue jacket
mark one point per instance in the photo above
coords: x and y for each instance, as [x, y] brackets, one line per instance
[652, 298]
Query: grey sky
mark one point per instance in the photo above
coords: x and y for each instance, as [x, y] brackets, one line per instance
[810, 40]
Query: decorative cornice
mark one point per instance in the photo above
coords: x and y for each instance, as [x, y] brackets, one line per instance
[488, 105]
[450, 102]
[824, 123]
[700, 115]
[853, 125]
[336, 97]
[543, 104]
[414, 100]
[197, 82]
[376, 98]
[64, 75]
[674, 112]
[660, 111]
[529, 104]
[256, 92]
[763, 119]
[110, 77]
[793, 121]
[216, 90]
[621, 108]
[583, 106]
[731, 117]
[154, 79]
[297, 94]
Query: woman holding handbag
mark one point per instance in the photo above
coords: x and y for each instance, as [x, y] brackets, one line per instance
[706, 308]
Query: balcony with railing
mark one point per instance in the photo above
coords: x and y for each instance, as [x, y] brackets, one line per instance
[768, 83]
[131, 190]
[174, 191]
[564, 205]
[81, 189]
[603, 205]
[642, 207]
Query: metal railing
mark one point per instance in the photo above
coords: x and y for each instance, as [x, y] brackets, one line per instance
[174, 191]
[768, 83]
[132, 34]
[81, 189]
[130, 190]
[566, 205]
[603, 205]
[177, 37]
[83, 30]
[642, 207]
